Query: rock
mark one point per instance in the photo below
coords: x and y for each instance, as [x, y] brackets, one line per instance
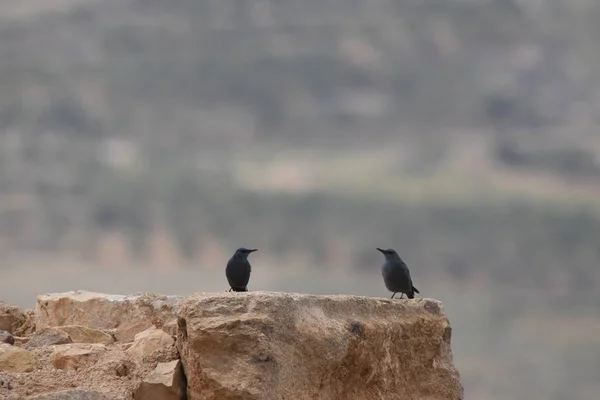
[116, 362]
[76, 355]
[8, 322]
[170, 327]
[88, 367]
[153, 345]
[5, 383]
[16, 321]
[27, 328]
[48, 337]
[16, 359]
[74, 394]
[126, 332]
[82, 334]
[164, 383]
[7, 337]
[260, 345]
[103, 311]
[21, 341]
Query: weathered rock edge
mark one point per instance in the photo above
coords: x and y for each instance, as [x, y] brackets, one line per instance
[103, 311]
[257, 345]
[267, 346]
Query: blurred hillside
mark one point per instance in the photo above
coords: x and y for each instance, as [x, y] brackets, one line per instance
[153, 135]
[117, 68]
[120, 115]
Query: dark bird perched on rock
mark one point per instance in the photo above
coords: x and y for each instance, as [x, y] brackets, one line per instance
[396, 275]
[238, 270]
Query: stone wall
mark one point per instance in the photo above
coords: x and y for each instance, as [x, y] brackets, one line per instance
[259, 345]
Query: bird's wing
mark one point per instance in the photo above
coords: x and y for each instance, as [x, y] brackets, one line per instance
[411, 283]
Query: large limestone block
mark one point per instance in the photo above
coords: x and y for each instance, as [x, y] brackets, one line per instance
[103, 311]
[271, 346]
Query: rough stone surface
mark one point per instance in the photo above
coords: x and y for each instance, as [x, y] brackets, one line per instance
[111, 371]
[164, 383]
[16, 321]
[6, 337]
[171, 328]
[75, 394]
[21, 341]
[28, 327]
[261, 345]
[234, 346]
[8, 322]
[126, 332]
[74, 356]
[16, 359]
[82, 334]
[48, 337]
[103, 311]
[153, 345]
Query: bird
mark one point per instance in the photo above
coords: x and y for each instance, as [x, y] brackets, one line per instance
[396, 275]
[238, 270]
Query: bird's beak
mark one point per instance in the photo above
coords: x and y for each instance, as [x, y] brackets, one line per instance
[252, 250]
[379, 249]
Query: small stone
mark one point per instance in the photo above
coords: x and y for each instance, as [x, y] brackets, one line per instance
[7, 337]
[433, 307]
[21, 341]
[82, 334]
[153, 344]
[164, 383]
[122, 370]
[8, 322]
[5, 384]
[170, 327]
[126, 332]
[48, 337]
[76, 355]
[114, 363]
[27, 325]
[16, 359]
[16, 321]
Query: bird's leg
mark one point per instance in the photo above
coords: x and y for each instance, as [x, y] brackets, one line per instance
[229, 290]
[402, 295]
[393, 295]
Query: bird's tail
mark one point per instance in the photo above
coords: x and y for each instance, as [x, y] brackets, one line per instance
[411, 295]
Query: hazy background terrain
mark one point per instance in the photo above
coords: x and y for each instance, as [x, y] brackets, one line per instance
[142, 141]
